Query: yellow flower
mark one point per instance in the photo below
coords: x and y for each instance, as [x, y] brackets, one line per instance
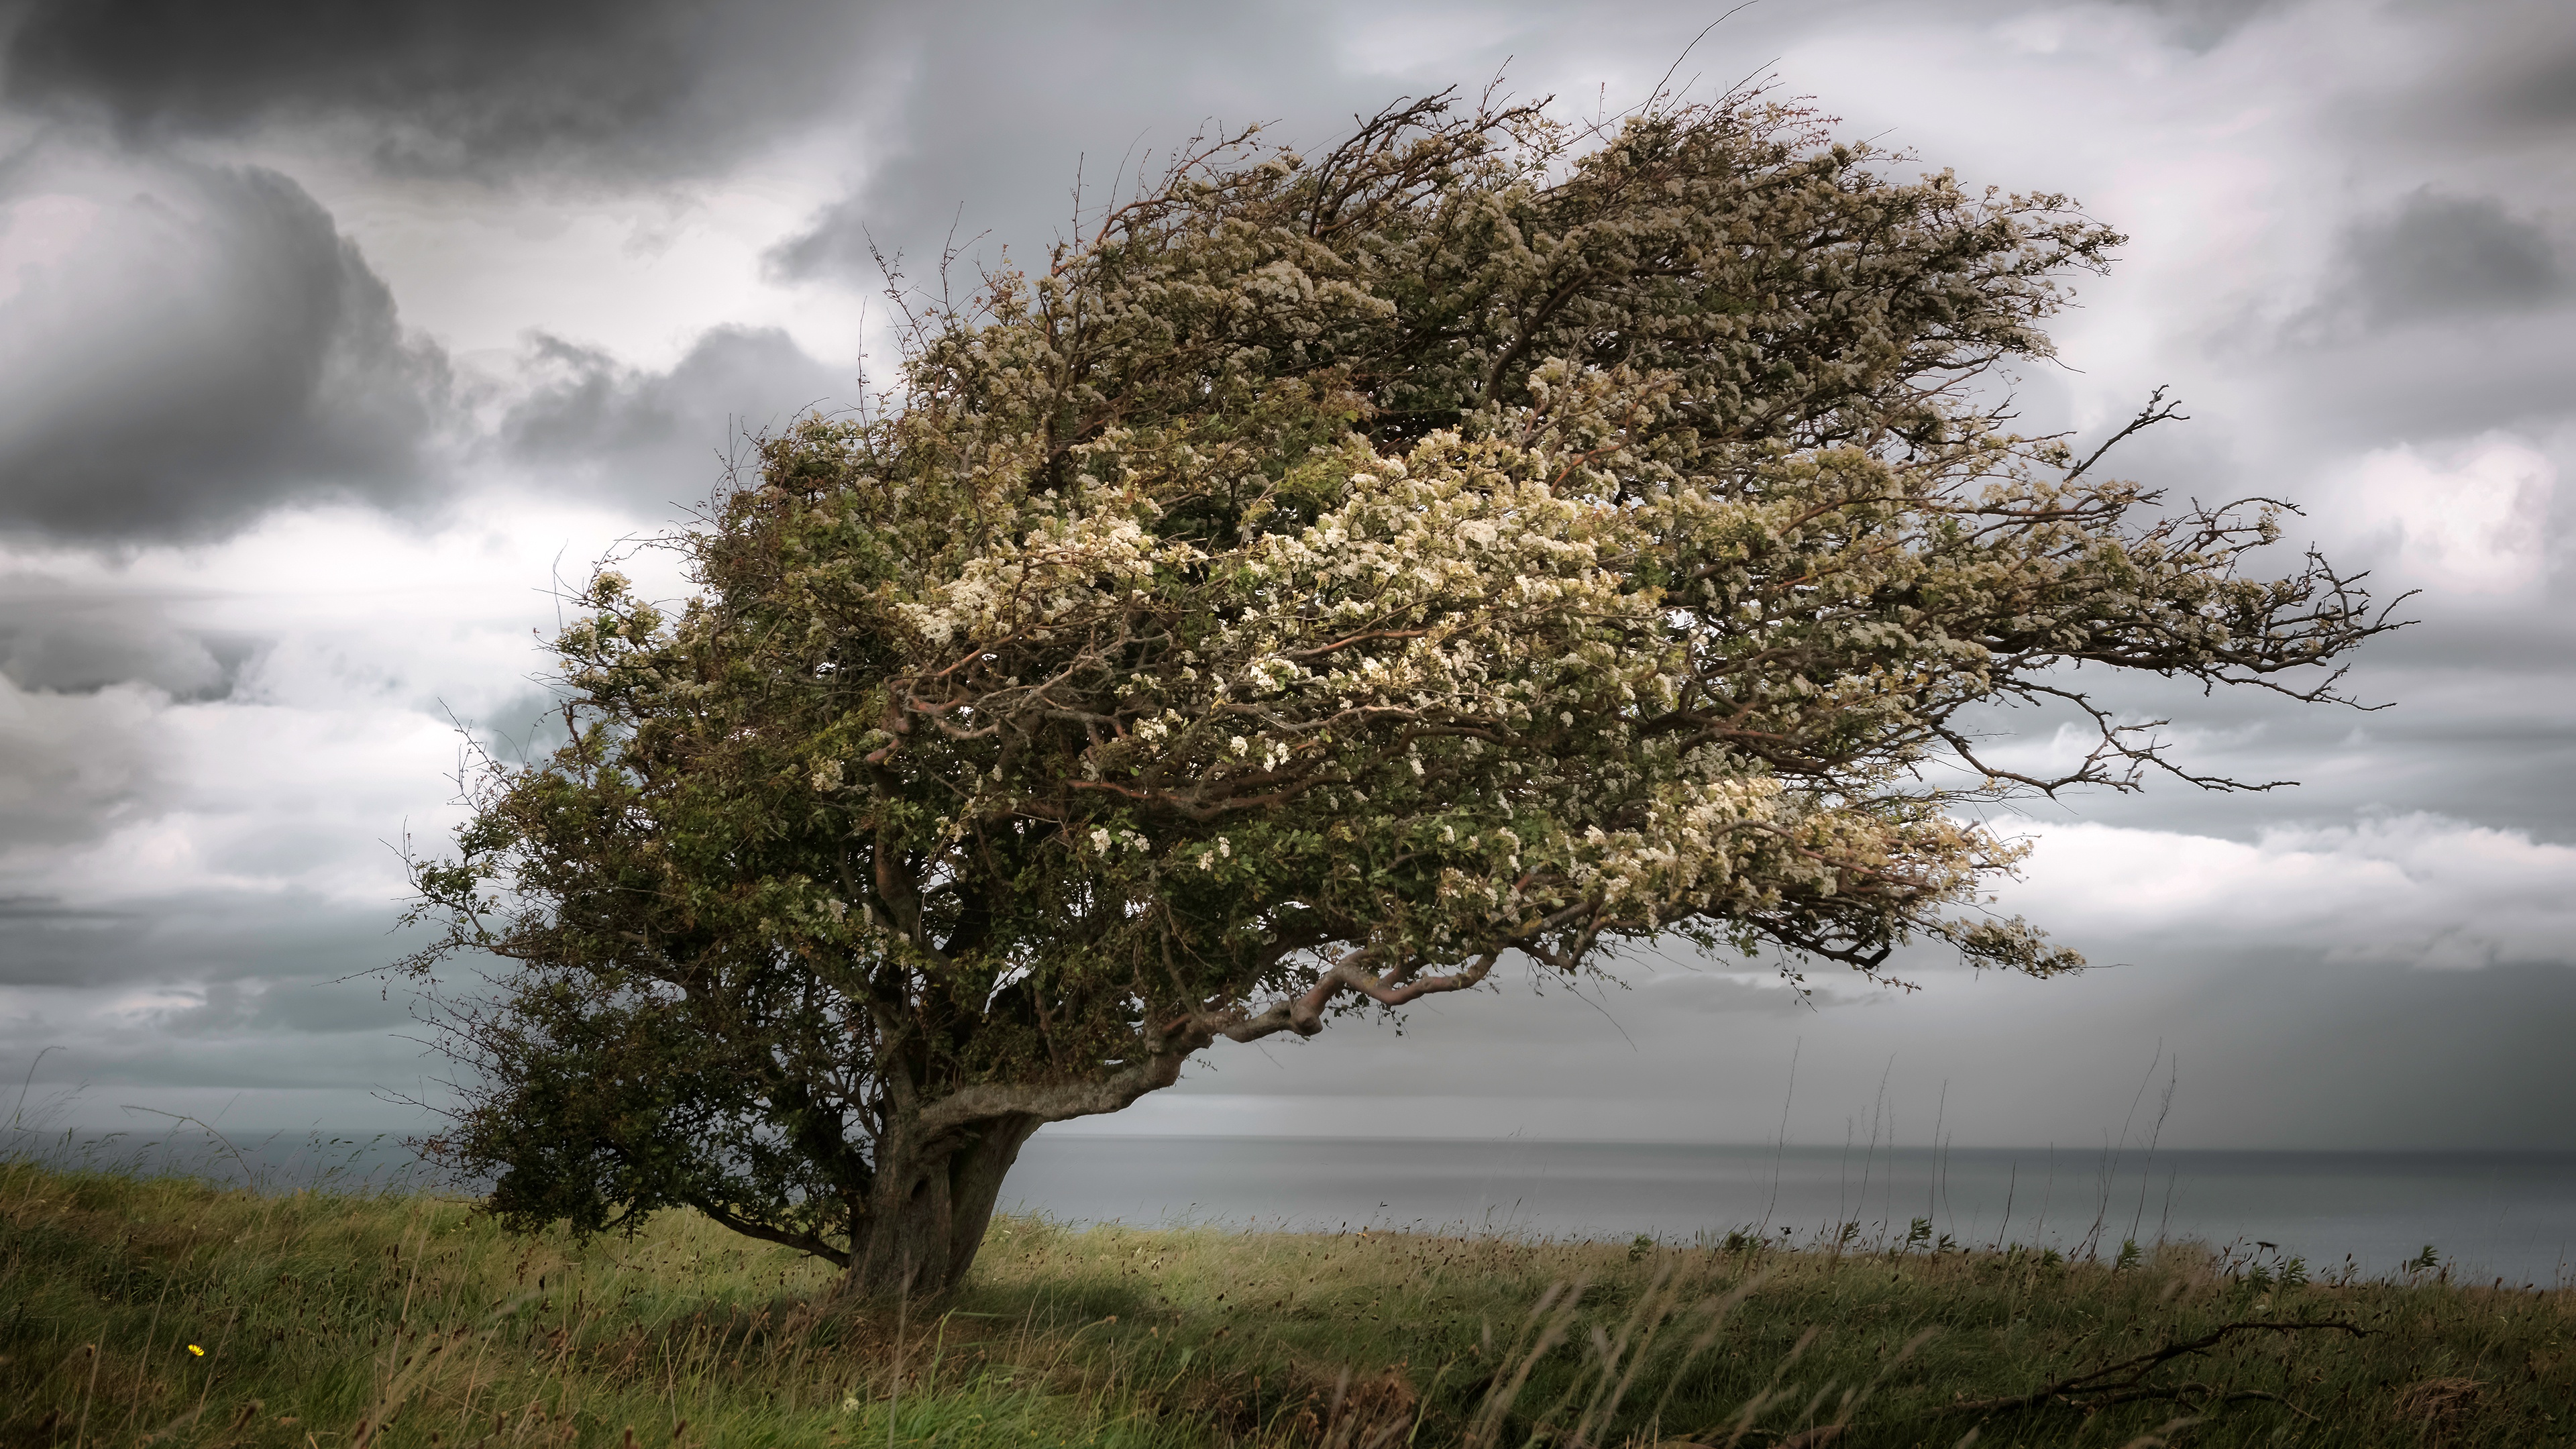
[199, 1352]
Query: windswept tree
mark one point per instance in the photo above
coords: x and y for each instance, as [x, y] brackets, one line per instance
[1488, 540]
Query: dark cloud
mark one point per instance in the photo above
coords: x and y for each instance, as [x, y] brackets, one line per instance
[202, 937]
[2476, 727]
[2443, 315]
[652, 87]
[2275, 1049]
[2498, 78]
[83, 654]
[2202, 25]
[2543, 93]
[74, 767]
[184, 347]
[988, 154]
[524, 727]
[662, 439]
[150, 1049]
[2345, 388]
[2441, 255]
[78, 642]
[2279, 1051]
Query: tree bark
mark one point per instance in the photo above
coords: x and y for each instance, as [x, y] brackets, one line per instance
[933, 1200]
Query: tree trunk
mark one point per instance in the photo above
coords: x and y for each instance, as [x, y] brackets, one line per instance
[931, 1205]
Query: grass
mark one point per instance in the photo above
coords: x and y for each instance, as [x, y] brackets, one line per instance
[138, 1310]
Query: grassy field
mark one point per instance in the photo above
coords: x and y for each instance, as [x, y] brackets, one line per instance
[140, 1310]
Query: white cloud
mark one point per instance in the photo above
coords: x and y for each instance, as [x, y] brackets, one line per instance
[336, 732]
[37, 232]
[2470, 522]
[642, 275]
[2416, 889]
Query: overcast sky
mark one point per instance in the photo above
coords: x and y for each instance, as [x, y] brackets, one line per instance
[331, 335]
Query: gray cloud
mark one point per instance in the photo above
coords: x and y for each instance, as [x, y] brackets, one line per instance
[989, 153]
[2202, 24]
[228, 1007]
[2276, 1048]
[204, 937]
[2543, 93]
[217, 1053]
[83, 654]
[68, 641]
[2442, 255]
[444, 87]
[659, 439]
[187, 346]
[72, 768]
[2500, 78]
[2477, 728]
[2509, 370]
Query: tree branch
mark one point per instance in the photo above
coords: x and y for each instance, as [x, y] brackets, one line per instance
[2125, 1381]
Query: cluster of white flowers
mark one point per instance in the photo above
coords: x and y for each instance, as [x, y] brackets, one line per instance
[1103, 839]
[1059, 570]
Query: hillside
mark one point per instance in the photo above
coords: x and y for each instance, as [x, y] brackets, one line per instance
[162, 1311]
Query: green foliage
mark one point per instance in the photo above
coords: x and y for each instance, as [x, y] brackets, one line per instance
[1490, 539]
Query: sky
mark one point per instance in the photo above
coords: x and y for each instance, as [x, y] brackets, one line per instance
[333, 339]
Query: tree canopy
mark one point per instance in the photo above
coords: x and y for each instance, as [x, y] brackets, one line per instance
[1491, 538]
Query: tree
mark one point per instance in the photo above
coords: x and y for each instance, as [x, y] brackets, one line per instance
[1490, 539]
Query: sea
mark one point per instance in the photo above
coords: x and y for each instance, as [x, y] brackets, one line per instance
[2481, 1217]
[2475, 1216]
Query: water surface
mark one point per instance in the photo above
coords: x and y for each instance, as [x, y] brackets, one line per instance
[2485, 1214]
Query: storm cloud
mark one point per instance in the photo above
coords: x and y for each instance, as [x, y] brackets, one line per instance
[2439, 255]
[207, 939]
[661, 441]
[982, 158]
[184, 346]
[70, 641]
[333, 339]
[446, 87]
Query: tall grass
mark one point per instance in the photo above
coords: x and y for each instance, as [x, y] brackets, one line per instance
[139, 1310]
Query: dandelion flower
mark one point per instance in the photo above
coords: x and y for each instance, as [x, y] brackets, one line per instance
[199, 1352]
